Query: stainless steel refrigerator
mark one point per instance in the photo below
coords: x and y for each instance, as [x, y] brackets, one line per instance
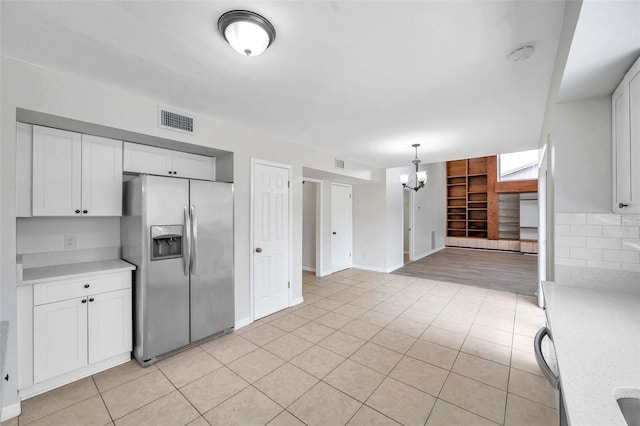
[179, 233]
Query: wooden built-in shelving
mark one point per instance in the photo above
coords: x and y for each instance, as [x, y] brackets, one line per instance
[467, 198]
[485, 213]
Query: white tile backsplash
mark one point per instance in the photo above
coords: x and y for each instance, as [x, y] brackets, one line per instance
[606, 246]
[631, 220]
[564, 230]
[585, 230]
[621, 231]
[571, 219]
[586, 253]
[562, 241]
[624, 256]
[604, 243]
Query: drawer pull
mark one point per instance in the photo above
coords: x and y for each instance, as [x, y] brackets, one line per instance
[84, 300]
[86, 286]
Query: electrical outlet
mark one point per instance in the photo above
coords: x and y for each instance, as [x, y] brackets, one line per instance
[69, 241]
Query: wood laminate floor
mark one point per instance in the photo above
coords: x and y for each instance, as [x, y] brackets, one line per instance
[495, 270]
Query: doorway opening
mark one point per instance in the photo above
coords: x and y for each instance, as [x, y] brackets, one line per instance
[309, 226]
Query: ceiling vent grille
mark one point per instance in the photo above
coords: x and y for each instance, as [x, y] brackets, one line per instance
[175, 120]
[339, 164]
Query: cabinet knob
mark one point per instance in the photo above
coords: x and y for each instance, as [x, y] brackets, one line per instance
[85, 211]
[91, 299]
[86, 286]
[175, 173]
[84, 300]
[621, 205]
[170, 172]
[77, 211]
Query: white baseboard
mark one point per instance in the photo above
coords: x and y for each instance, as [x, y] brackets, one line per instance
[323, 273]
[429, 253]
[308, 269]
[394, 267]
[369, 268]
[10, 411]
[243, 323]
[296, 301]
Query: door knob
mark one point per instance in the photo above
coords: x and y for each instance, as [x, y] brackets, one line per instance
[258, 250]
[334, 232]
[621, 205]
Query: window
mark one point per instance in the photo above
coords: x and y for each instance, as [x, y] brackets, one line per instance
[518, 165]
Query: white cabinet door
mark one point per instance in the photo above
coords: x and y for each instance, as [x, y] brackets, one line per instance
[101, 176]
[625, 104]
[57, 166]
[192, 166]
[109, 325]
[147, 159]
[59, 338]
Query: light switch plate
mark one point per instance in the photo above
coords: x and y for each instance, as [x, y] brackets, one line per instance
[69, 241]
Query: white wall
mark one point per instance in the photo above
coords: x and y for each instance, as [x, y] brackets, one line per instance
[394, 243]
[382, 203]
[39, 89]
[581, 140]
[309, 225]
[369, 225]
[430, 209]
[46, 234]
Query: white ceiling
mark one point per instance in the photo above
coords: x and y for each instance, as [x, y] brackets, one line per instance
[605, 44]
[361, 79]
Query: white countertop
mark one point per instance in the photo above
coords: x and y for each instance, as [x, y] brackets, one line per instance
[73, 270]
[596, 334]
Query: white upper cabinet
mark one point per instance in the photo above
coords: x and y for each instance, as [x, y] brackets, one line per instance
[625, 105]
[147, 159]
[57, 167]
[101, 176]
[75, 175]
[158, 161]
[192, 166]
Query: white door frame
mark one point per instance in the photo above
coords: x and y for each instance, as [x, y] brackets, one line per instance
[345, 185]
[319, 224]
[288, 167]
[543, 222]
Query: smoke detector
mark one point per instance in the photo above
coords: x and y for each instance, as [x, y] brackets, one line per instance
[521, 53]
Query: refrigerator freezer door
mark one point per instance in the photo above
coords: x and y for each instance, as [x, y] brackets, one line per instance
[164, 297]
[212, 290]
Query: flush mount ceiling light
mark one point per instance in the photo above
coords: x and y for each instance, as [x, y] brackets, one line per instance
[247, 32]
[521, 53]
[421, 176]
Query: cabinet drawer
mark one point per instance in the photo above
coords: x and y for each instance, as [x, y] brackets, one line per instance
[68, 289]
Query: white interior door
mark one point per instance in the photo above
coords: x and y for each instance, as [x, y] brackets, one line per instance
[341, 227]
[270, 239]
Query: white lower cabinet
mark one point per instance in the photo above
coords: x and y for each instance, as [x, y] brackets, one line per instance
[59, 338]
[109, 325]
[80, 327]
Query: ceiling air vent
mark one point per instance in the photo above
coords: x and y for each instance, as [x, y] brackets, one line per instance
[339, 164]
[174, 120]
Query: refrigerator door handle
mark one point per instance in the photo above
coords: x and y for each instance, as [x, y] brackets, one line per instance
[186, 245]
[194, 236]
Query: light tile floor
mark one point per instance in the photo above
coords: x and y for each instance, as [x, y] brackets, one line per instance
[363, 349]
